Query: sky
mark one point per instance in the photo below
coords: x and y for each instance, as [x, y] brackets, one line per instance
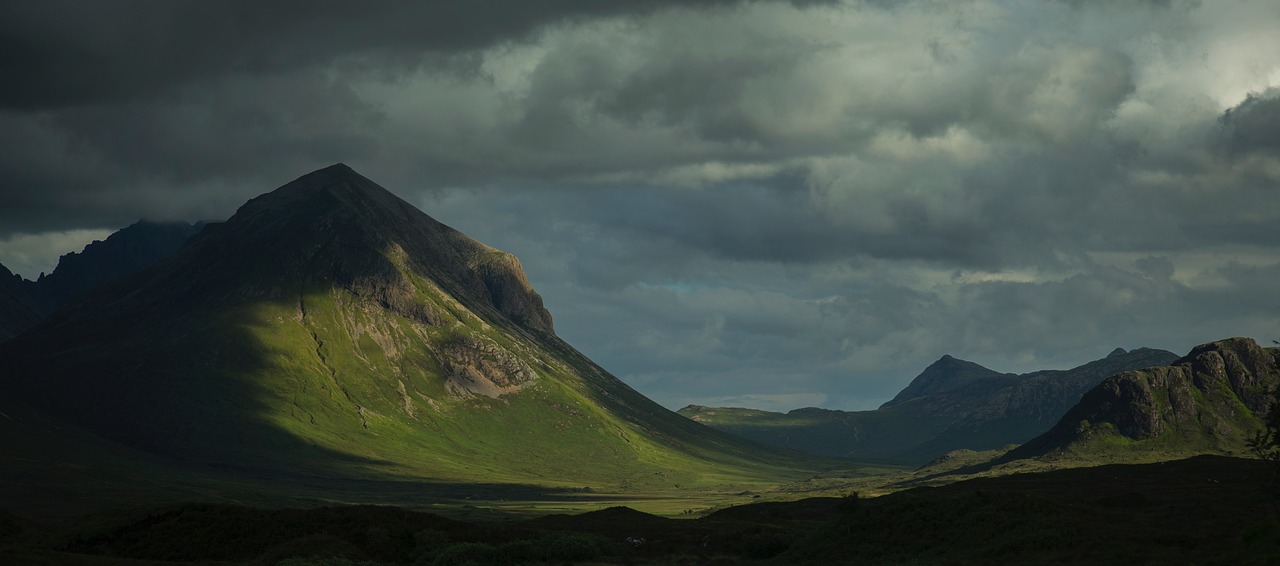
[730, 203]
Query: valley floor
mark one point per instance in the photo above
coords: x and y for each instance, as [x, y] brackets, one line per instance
[1206, 509]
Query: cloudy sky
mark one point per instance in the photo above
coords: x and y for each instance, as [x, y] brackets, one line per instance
[769, 204]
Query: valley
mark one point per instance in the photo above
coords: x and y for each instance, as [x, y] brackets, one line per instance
[383, 389]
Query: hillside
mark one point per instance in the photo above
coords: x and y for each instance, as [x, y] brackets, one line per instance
[953, 404]
[18, 309]
[1208, 402]
[331, 328]
[125, 252]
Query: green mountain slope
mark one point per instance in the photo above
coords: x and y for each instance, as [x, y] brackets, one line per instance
[952, 405]
[1208, 402]
[331, 327]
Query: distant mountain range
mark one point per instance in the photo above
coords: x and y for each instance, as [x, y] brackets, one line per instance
[127, 251]
[329, 327]
[953, 404]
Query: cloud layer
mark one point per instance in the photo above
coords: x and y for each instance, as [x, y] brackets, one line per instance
[767, 203]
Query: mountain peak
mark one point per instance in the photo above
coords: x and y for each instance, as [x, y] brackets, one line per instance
[338, 174]
[337, 183]
[329, 326]
[946, 374]
[334, 228]
[1117, 352]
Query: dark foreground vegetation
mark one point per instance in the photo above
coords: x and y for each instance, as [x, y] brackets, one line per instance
[1201, 510]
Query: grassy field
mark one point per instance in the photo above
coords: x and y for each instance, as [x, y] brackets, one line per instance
[1200, 510]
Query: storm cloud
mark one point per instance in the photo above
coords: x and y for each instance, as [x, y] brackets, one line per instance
[767, 203]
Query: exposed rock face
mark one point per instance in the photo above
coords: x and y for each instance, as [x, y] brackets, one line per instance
[480, 367]
[510, 292]
[1210, 399]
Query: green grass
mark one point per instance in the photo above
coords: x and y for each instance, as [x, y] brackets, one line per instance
[1206, 509]
[351, 403]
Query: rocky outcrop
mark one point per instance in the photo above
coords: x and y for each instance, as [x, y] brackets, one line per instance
[475, 366]
[509, 291]
[1209, 400]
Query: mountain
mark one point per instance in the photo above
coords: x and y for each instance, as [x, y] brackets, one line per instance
[946, 375]
[329, 327]
[1210, 401]
[18, 309]
[126, 251]
[953, 404]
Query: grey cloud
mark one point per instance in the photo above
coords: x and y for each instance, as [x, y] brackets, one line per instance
[688, 327]
[1254, 124]
[71, 53]
[764, 200]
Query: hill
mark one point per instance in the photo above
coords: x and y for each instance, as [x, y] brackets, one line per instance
[1209, 402]
[331, 328]
[953, 404]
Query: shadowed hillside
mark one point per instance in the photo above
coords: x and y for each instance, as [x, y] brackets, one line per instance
[125, 252]
[18, 309]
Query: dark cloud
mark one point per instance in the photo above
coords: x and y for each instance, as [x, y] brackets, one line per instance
[1254, 124]
[720, 200]
[78, 52]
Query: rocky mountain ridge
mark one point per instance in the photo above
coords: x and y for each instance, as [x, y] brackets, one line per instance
[1209, 401]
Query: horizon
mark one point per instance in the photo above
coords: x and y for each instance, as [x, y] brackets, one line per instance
[766, 204]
